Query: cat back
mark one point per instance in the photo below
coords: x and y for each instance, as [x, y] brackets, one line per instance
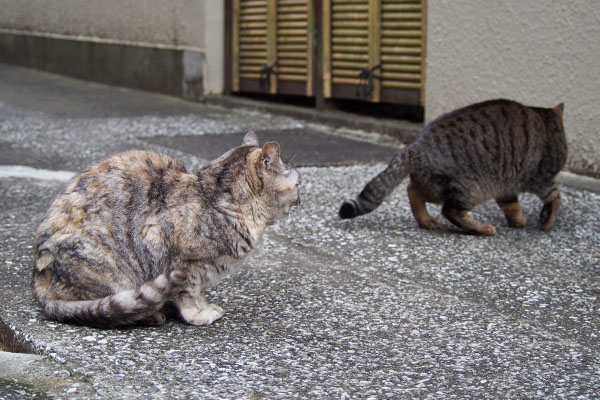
[491, 150]
[137, 235]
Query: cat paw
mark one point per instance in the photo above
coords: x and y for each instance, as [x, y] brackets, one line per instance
[516, 222]
[486, 229]
[157, 319]
[429, 223]
[205, 316]
[547, 225]
[546, 219]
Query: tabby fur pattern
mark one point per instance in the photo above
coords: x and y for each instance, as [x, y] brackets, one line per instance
[136, 235]
[491, 150]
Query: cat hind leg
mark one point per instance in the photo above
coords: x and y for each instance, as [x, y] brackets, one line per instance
[419, 208]
[512, 211]
[551, 204]
[461, 218]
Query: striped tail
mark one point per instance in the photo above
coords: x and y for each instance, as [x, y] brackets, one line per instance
[137, 306]
[379, 187]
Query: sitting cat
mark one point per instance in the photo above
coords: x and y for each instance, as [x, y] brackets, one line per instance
[136, 234]
[495, 149]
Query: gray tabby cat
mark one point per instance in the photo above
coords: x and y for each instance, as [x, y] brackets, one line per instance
[136, 234]
[495, 149]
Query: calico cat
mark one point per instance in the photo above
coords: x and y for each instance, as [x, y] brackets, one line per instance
[495, 149]
[137, 234]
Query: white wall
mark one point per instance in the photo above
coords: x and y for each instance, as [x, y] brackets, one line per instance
[539, 52]
[214, 20]
[144, 21]
[194, 25]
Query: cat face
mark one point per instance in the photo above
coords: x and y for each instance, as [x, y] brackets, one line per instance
[280, 179]
[266, 179]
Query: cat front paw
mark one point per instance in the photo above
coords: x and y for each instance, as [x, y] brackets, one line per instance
[516, 222]
[205, 316]
[486, 229]
[429, 223]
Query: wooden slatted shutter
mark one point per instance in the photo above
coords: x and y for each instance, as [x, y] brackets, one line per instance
[249, 44]
[403, 26]
[272, 49]
[295, 20]
[374, 50]
[346, 42]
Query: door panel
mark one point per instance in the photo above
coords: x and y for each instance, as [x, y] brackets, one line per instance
[369, 50]
[374, 50]
[272, 40]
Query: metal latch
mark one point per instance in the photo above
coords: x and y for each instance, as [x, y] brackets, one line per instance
[265, 74]
[366, 83]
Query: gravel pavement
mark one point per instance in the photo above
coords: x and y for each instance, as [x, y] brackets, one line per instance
[370, 308]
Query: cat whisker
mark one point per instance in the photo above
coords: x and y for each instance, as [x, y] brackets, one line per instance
[290, 213]
[288, 218]
[291, 161]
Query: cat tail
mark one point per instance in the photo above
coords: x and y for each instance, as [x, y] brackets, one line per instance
[137, 306]
[379, 187]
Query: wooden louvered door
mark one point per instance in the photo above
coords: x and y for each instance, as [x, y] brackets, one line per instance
[249, 47]
[271, 44]
[374, 50]
[369, 50]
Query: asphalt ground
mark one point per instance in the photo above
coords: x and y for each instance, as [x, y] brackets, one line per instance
[373, 307]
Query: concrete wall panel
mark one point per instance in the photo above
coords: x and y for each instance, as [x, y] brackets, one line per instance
[536, 52]
[168, 22]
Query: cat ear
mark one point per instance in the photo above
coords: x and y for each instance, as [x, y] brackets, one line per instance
[250, 139]
[559, 108]
[270, 152]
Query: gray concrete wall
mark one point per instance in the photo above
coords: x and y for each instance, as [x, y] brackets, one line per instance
[536, 52]
[186, 25]
[169, 22]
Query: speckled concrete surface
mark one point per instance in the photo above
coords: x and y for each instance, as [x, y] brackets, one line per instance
[367, 308]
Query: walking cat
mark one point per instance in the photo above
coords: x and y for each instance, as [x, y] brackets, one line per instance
[136, 234]
[495, 149]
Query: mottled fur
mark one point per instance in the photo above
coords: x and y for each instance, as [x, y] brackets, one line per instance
[491, 150]
[136, 234]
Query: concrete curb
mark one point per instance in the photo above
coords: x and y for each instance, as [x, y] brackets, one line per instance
[402, 130]
[578, 181]
[35, 376]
